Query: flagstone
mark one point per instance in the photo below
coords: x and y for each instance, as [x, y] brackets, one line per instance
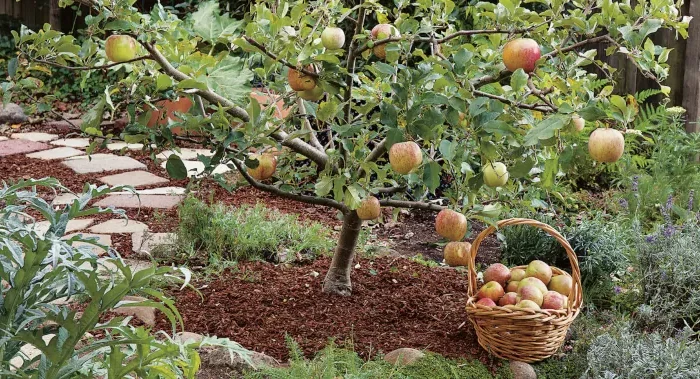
[72, 142]
[57, 153]
[186, 153]
[35, 136]
[104, 239]
[101, 163]
[143, 201]
[11, 147]
[64, 199]
[196, 168]
[116, 226]
[144, 242]
[133, 178]
[42, 227]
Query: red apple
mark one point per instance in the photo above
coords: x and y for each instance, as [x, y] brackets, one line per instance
[492, 290]
[527, 304]
[531, 281]
[497, 272]
[509, 298]
[531, 293]
[333, 38]
[486, 302]
[457, 253]
[563, 284]
[578, 122]
[405, 156]
[521, 53]
[369, 208]
[451, 225]
[517, 274]
[554, 300]
[512, 286]
[379, 32]
[495, 174]
[606, 145]
[267, 163]
[539, 270]
[120, 48]
[300, 81]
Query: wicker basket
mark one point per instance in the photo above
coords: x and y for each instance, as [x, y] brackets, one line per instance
[525, 335]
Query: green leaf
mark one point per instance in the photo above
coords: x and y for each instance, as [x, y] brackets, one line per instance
[592, 113]
[211, 25]
[163, 82]
[431, 176]
[447, 149]
[230, 78]
[393, 136]
[175, 167]
[12, 67]
[546, 129]
[324, 186]
[518, 80]
[521, 168]
[93, 117]
[388, 114]
[551, 168]
[328, 109]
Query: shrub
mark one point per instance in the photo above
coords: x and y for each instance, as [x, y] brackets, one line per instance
[669, 270]
[643, 356]
[245, 233]
[39, 269]
[335, 362]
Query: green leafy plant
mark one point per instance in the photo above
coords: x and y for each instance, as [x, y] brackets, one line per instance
[441, 89]
[41, 271]
[244, 233]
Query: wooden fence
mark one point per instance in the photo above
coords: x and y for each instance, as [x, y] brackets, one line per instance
[684, 60]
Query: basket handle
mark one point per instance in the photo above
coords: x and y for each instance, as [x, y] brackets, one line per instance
[576, 297]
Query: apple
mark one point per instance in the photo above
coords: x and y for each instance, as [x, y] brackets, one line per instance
[405, 156]
[369, 208]
[539, 270]
[463, 122]
[333, 38]
[267, 163]
[486, 302]
[379, 32]
[300, 81]
[521, 53]
[606, 145]
[531, 281]
[314, 94]
[495, 174]
[531, 292]
[497, 272]
[457, 253]
[554, 300]
[578, 122]
[517, 274]
[512, 286]
[563, 284]
[451, 225]
[120, 48]
[492, 290]
[527, 304]
[509, 298]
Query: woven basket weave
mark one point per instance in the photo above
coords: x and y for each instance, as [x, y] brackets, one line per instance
[525, 335]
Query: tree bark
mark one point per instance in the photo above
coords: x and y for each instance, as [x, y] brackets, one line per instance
[337, 279]
[54, 15]
[691, 88]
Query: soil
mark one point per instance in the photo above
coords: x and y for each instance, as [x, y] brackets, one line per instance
[395, 303]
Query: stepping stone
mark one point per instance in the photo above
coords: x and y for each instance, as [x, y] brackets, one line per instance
[143, 313]
[63, 124]
[145, 242]
[3, 138]
[11, 147]
[73, 225]
[72, 142]
[404, 356]
[106, 265]
[134, 179]
[104, 239]
[34, 136]
[120, 145]
[102, 163]
[119, 226]
[144, 201]
[186, 154]
[57, 153]
[195, 168]
[64, 199]
[158, 191]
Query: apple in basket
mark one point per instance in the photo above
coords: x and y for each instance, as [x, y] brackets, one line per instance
[532, 282]
[512, 286]
[491, 290]
[539, 270]
[517, 274]
[497, 272]
[527, 304]
[554, 300]
[511, 298]
[562, 284]
[531, 293]
[487, 302]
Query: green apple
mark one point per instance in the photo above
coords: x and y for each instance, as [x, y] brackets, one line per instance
[333, 38]
[120, 48]
[495, 174]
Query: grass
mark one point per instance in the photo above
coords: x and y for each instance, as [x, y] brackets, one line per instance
[212, 234]
[337, 362]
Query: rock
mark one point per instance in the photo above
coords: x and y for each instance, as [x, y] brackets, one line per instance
[404, 356]
[12, 113]
[188, 337]
[145, 314]
[522, 370]
[386, 252]
[217, 362]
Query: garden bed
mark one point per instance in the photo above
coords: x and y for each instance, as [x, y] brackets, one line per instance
[395, 303]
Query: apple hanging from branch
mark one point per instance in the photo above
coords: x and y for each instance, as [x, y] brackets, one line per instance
[521, 53]
[120, 48]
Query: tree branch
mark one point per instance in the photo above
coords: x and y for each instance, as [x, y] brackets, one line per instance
[278, 59]
[276, 191]
[88, 68]
[307, 125]
[410, 204]
[535, 107]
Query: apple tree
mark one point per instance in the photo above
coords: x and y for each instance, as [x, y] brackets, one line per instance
[421, 105]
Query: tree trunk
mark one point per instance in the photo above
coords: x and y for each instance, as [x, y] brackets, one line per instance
[54, 15]
[691, 89]
[338, 277]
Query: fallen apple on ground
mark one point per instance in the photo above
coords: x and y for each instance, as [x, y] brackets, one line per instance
[457, 253]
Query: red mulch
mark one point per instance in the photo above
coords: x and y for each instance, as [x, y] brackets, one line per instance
[395, 303]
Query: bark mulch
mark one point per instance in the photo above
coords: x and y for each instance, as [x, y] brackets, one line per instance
[395, 303]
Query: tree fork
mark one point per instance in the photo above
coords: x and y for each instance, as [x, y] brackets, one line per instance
[337, 279]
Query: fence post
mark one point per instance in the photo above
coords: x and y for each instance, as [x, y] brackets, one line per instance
[691, 86]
